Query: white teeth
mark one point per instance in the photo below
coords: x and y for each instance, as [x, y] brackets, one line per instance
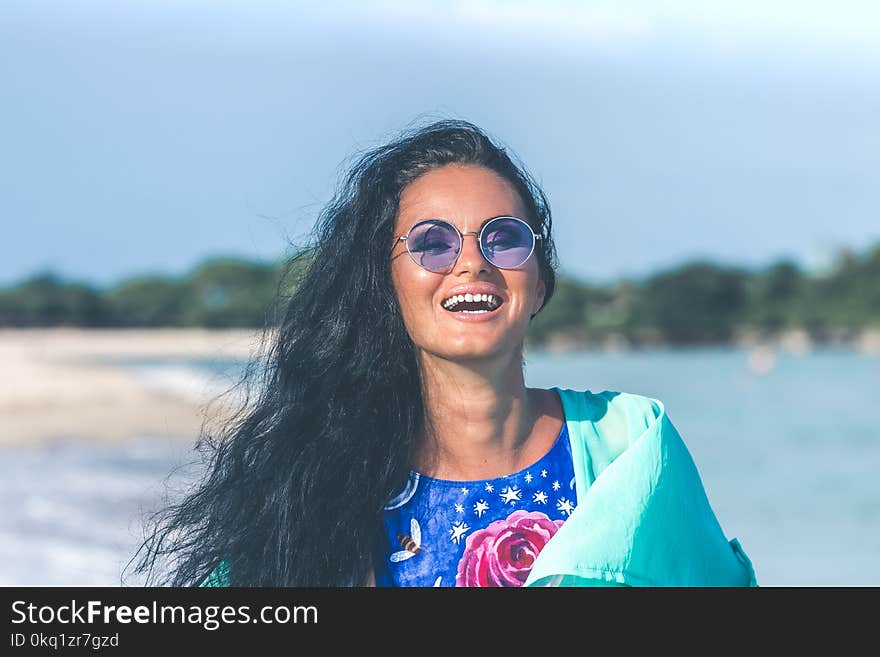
[470, 297]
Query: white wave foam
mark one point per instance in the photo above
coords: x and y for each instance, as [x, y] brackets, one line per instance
[184, 381]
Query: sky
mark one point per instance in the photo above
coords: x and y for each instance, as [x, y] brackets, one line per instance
[144, 137]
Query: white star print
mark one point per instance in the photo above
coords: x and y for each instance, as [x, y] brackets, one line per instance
[464, 490]
[489, 488]
[556, 485]
[480, 508]
[540, 497]
[528, 477]
[544, 473]
[457, 531]
[564, 505]
[459, 508]
[511, 495]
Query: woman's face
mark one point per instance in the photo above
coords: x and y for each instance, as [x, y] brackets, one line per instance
[466, 196]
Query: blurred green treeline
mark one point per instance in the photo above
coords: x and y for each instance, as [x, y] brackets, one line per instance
[698, 303]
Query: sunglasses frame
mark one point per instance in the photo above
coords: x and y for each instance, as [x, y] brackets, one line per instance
[479, 234]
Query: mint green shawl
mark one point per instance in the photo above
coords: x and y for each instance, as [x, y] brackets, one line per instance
[642, 517]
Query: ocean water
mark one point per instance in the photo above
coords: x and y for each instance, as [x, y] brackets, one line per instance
[787, 446]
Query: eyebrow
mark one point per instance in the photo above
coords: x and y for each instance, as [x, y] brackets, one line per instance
[485, 221]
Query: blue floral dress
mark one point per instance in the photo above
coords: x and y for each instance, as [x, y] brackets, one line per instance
[486, 532]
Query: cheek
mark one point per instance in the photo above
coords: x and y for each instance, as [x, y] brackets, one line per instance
[540, 290]
[414, 286]
[529, 287]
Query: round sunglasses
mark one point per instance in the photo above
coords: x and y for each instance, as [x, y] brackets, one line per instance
[434, 244]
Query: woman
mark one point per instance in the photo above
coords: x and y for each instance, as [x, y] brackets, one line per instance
[394, 441]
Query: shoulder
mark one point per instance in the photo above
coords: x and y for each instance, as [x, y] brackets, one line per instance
[639, 411]
[608, 423]
[619, 414]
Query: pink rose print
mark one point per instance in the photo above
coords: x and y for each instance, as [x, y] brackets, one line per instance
[502, 554]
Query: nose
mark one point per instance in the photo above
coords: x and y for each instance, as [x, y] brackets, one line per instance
[471, 256]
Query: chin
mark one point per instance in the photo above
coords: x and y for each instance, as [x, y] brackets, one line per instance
[470, 350]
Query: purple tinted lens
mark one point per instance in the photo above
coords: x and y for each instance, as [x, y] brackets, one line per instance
[507, 242]
[433, 244]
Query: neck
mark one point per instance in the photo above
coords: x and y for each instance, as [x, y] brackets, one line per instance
[479, 417]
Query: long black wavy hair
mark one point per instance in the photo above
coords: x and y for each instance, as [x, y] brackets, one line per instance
[296, 480]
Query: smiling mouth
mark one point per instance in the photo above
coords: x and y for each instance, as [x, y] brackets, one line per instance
[472, 303]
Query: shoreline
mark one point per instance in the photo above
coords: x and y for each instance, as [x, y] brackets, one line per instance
[62, 384]
[793, 341]
[73, 384]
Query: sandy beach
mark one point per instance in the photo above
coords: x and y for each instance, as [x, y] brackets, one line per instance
[68, 383]
[64, 383]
